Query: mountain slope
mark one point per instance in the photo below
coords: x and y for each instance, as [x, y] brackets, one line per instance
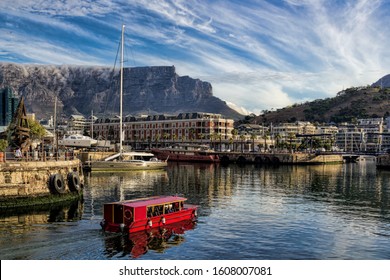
[148, 90]
[352, 103]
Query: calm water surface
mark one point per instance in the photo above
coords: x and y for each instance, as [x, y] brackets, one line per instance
[286, 212]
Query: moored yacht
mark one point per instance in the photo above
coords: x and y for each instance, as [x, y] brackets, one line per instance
[78, 141]
[187, 152]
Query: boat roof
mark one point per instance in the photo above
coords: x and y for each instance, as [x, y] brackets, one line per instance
[133, 154]
[149, 201]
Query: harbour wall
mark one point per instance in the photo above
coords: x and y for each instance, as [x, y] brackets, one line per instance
[39, 182]
[280, 158]
[239, 157]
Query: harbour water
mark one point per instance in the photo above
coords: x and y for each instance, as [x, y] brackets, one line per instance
[249, 212]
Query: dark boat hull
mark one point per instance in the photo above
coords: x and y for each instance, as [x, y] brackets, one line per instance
[183, 156]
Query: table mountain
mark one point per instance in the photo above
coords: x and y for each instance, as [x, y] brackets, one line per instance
[81, 89]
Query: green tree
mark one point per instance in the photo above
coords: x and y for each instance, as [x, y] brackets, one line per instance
[3, 145]
[37, 131]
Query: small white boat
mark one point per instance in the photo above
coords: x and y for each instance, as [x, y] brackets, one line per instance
[77, 140]
[127, 161]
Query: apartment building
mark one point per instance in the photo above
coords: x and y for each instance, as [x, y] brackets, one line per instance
[365, 136]
[158, 129]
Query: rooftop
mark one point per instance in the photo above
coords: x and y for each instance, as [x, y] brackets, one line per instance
[149, 201]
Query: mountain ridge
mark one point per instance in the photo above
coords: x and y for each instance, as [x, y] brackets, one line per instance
[81, 89]
[358, 102]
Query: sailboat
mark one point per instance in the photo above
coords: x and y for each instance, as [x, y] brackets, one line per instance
[125, 161]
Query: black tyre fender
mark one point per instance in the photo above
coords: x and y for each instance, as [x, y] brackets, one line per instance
[74, 183]
[56, 183]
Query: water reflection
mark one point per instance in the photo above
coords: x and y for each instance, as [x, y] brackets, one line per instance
[22, 220]
[290, 212]
[138, 244]
[213, 186]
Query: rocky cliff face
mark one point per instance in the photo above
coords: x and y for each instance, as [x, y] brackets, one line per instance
[79, 90]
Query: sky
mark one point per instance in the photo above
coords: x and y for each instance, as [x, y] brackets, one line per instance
[257, 54]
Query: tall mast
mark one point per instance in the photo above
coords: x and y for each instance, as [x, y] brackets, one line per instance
[121, 92]
[91, 123]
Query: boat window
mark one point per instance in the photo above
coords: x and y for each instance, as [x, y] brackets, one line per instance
[175, 207]
[150, 212]
[156, 210]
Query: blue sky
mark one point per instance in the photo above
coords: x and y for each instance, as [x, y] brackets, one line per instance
[257, 54]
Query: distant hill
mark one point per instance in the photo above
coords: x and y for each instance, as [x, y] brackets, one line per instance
[81, 89]
[353, 103]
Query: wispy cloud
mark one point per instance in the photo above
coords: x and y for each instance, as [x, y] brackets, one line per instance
[257, 54]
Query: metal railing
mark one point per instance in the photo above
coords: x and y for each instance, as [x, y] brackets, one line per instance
[39, 156]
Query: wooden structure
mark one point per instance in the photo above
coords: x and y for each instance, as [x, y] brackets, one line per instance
[19, 130]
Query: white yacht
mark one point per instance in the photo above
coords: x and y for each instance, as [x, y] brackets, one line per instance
[127, 161]
[78, 141]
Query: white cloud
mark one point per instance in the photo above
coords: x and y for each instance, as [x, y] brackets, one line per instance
[257, 54]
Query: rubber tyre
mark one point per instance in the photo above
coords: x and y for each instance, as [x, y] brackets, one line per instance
[57, 184]
[74, 183]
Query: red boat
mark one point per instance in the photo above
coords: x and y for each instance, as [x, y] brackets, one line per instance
[146, 213]
[191, 153]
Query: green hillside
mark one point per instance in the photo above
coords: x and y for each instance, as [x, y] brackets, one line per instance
[350, 104]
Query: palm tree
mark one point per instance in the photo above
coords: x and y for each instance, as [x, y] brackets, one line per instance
[231, 142]
[201, 137]
[157, 139]
[253, 137]
[277, 138]
[165, 136]
[191, 134]
[219, 136]
[291, 136]
[242, 138]
[234, 133]
[265, 137]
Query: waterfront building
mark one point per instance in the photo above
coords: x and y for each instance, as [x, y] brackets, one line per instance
[350, 138]
[364, 136]
[8, 104]
[373, 129]
[287, 132]
[155, 130]
[385, 144]
[328, 129]
[77, 124]
[249, 129]
[256, 137]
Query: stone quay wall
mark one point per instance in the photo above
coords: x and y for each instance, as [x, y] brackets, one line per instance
[28, 179]
[279, 158]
